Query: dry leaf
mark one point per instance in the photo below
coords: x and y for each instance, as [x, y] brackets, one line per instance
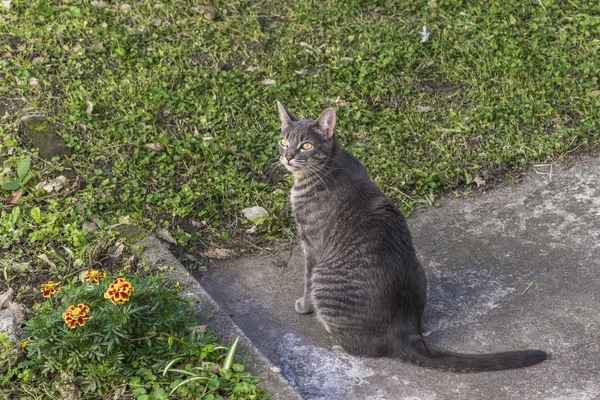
[54, 185]
[76, 47]
[209, 12]
[38, 60]
[304, 44]
[16, 195]
[124, 7]
[97, 46]
[98, 4]
[34, 82]
[198, 329]
[157, 21]
[154, 146]
[421, 108]
[118, 250]
[252, 69]
[594, 93]
[90, 107]
[217, 253]
[268, 82]
[45, 258]
[5, 4]
[478, 181]
[158, 6]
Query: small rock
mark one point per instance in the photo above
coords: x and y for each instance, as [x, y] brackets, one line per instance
[275, 369]
[166, 236]
[124, 7]
[254, 213]
[277, 191]
[40, 132]
[158, 6]
[209, 12]
[98, 4]
[252, 230]
[268, 82]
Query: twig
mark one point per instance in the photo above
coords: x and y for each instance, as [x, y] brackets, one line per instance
[527, 288]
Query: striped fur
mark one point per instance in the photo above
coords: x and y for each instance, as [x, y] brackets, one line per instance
[363, 279]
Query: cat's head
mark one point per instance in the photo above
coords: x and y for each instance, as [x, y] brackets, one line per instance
[304, 145]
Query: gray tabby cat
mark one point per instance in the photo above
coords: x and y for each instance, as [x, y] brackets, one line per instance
[363, 278]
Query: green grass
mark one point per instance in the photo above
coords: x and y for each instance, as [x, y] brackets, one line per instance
[499, 85]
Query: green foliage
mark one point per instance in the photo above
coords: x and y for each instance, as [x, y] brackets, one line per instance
[497, 87]
[23, 176]
[123, 343]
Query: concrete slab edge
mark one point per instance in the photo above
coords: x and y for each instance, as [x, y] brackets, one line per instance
[154, 252]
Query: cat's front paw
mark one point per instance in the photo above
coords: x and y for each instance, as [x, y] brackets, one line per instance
[303, 307]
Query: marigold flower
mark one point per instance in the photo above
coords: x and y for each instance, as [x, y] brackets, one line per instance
[119, 291]
[50, 288]
[24, 344]
[76, 315]
[94, 276]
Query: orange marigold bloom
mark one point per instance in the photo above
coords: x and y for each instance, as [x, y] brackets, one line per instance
[76, 315]
[119, 291]
[50, 288]
[94, 276]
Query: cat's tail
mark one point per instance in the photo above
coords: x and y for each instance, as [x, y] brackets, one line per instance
[413, 348]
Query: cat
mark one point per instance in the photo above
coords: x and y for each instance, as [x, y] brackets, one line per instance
[362, 276]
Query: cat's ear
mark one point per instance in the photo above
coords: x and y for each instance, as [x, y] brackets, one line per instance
[285, 116]
[326, 123]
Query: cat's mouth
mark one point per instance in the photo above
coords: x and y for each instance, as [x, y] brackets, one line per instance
[290, 165]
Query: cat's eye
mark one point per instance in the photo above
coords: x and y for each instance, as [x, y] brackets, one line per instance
[307, 146]
[283, 143]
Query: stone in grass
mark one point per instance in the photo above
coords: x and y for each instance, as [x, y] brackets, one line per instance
[10, 331]
[40, 132]
[254, 213]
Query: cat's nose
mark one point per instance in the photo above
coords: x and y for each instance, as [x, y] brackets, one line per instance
[288, 157]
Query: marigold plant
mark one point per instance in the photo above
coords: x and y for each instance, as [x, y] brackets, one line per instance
[50, 288]
[128, 344]
[76, 315]
[119, 291]
[93, 276]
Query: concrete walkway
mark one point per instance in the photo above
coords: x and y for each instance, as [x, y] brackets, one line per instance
[480, 255]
